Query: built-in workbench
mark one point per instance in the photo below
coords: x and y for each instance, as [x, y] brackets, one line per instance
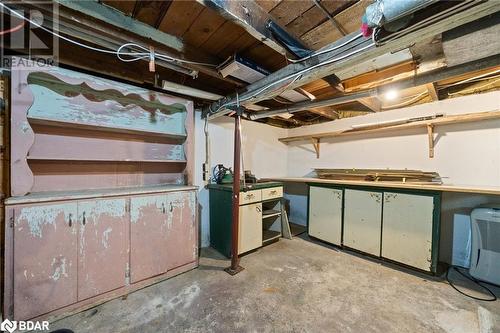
[391, 220]
[261, 213]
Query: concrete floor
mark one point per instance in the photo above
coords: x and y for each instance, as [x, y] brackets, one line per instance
[293, 286]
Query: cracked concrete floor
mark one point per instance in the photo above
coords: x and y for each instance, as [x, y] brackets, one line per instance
[293, 286]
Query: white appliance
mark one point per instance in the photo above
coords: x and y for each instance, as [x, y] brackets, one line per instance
[461, 241]
[485, 246]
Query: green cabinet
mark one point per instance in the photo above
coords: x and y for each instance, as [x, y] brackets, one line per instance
[254, 228]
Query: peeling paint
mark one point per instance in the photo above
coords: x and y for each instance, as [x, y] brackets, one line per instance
[105, 237]
[80, 110]
[137, 205]
[59, 267]
[94, 209]
[37, 217]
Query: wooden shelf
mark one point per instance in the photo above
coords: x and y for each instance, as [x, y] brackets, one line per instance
[270, 213]
[54, 159]
[270, 235]
[429, 125]
[55, 123]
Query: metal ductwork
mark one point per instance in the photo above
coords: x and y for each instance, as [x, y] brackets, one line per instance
[382, 12]
[312, 105]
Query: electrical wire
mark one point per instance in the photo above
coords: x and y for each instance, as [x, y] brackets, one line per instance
[464, 92]
[295, 76]
[325, 50]
[134, 55]
[485, 76]
[477, 282]
[11, 30]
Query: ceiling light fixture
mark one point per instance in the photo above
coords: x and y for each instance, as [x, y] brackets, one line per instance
[391, 95]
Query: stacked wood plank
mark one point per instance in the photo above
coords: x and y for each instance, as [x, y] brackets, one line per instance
[385, 175]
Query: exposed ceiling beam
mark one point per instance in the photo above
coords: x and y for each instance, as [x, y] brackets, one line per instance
[327, 112]
[298, 74]
[330, 17]
[118, 19]
[165, 5]
[109, 22]
[373, 103]
[440, 74]
[431, 88]
[251, 17]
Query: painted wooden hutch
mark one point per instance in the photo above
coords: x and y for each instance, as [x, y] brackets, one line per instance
[102, 201]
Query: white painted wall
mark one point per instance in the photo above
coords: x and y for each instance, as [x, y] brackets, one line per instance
[465, 154]
[263, 154]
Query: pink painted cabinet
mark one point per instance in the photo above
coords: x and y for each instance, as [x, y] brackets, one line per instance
[102, 246]
[148, 236]
[45, 258]
[182, 238]
[163, 233]
[65, 253]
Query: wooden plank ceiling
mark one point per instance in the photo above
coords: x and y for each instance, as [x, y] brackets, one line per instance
[203, 28]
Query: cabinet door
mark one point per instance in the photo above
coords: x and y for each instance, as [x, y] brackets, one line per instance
[362, 220]
[182, 238]
[148, 236]
[250, 227]
[45, 258]
[103, 248]
[407, 229]
[325, 214]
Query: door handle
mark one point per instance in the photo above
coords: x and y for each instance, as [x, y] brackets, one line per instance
[70, 220]
[163, 210]
[258, 209]
[84, 220]
[171, 208]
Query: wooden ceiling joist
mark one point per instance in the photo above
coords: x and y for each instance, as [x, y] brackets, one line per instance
[109, 23]
[373, 103]
[431, 88]
[250, 16]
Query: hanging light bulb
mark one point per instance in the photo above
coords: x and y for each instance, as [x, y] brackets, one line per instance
[391, 95]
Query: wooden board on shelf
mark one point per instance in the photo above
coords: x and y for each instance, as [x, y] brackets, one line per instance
[405, 176]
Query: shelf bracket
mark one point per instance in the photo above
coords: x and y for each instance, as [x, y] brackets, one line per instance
[430, 134]
[315, 142]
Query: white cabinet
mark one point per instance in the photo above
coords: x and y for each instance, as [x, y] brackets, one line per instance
[407, 231]
[325, 214]
[250, 227]
[363, 220]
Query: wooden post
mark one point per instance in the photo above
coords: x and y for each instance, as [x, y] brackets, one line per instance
[235, 267]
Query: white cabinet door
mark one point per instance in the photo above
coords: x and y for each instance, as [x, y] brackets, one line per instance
[325, 214]
[363, 220]
[250, 228]
[407, 230]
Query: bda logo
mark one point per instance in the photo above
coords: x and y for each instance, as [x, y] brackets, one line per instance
[8, 326]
